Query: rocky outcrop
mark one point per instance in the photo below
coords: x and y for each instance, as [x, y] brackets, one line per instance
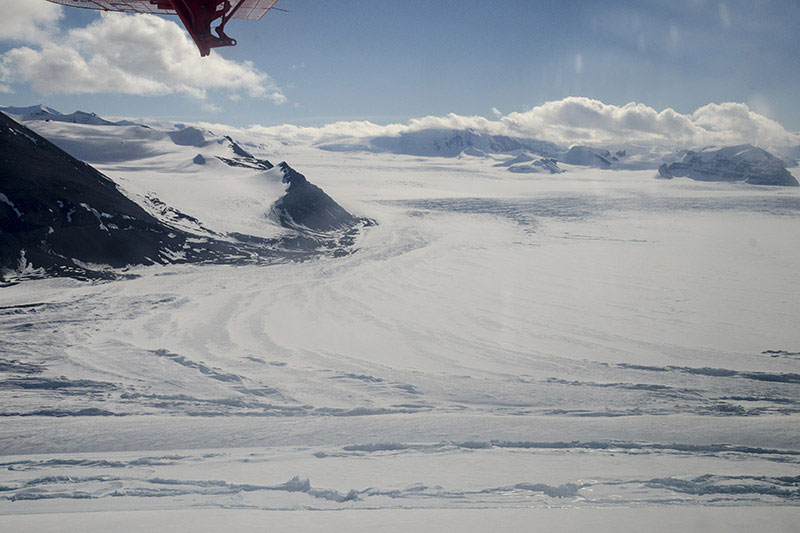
[742, 163]
[306, 205]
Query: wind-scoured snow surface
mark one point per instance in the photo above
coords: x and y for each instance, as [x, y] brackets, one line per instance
[590, 349]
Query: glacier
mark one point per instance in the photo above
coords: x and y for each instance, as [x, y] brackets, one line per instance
[593, 348]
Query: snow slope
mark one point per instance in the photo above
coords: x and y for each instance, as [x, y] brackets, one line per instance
[556, 346]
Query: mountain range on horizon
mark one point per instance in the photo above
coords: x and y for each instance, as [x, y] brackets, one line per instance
[469, 142]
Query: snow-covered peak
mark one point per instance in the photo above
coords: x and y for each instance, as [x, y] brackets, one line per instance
[31, 111]
[178, 147]
[743, 152]
[589, 157]
[189, 136]
[83, 117]
[44, 113]
[277, 174]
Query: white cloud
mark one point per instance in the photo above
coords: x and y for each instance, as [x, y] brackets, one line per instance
[591, 121]
[578, 120]
[29, 21]
[131, 54]
[737, 121]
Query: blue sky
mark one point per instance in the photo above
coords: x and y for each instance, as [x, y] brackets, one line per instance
[388, 61]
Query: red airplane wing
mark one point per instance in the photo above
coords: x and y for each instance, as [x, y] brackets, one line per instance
[129, 6]
[254, 9]
[197, 15]
[250, 10]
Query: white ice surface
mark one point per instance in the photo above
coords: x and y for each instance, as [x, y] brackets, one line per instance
[484, 307]
[655, 520]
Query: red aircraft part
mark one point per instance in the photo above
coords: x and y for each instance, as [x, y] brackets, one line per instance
[196, 15]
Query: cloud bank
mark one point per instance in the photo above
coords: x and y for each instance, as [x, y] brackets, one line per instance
[28, 21]
[578, 120]
[123, 54]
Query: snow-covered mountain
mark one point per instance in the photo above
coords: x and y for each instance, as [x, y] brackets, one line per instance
[183, 146]
[33, 112]
[59, 216]
[527, 163]
[591, 157]
[454, 143]
[223, 148]
[307, 206]
[41, 112]
[446, 143]
[525, 155]
[744, 163]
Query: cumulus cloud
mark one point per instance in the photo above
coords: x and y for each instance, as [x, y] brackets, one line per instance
[578, 120]
[131, 54]
[591, 121]
[27, 21]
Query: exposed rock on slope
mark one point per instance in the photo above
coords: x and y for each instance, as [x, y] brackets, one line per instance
[744, 163]
[242, 158]
[62, 217]
[306, 205]
[589, 157]
[542, 165]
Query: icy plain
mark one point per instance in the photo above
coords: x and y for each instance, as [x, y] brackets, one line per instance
[595, 348]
